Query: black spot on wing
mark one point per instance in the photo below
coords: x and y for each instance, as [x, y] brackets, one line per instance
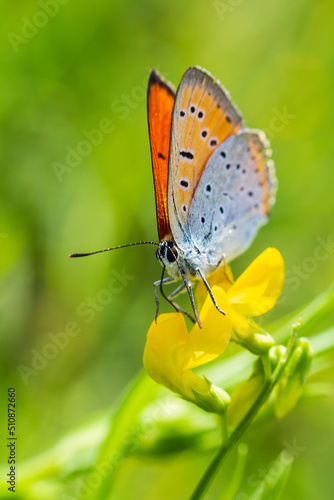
[187, 154]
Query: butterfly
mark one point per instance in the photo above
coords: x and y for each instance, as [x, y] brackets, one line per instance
[214, 180]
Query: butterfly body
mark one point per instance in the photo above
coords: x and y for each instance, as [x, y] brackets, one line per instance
[214, 180]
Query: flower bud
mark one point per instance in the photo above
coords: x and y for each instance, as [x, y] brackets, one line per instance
[213, 400]
[256, 343]
[275, 354]
[290, 386]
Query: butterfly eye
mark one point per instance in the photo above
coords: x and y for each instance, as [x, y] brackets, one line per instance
[172, 254]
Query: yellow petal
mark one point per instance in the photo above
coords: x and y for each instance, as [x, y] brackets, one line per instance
[164, 345]
[170, 351]
[240, 324]
[191, 384]
[256, 291]
[208, 342]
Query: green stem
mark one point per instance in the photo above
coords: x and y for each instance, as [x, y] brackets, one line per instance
[224, 429]
[266, 365]
[232, 488]
[234, 437]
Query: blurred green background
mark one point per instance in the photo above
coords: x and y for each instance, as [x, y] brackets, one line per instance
[84, 64]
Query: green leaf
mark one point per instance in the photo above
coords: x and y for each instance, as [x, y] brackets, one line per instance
[123, 432]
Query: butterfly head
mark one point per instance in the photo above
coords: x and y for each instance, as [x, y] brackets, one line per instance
[167, 253]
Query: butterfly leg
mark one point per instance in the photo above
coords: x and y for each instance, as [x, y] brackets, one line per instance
[177, 291]
[226, 270]
[207, 286]
[160, 283]
[191, 296]
[155, 285]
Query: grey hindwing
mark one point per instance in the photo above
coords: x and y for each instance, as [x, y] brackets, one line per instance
[228, 205]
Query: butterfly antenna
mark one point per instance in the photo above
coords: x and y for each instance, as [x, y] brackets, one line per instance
[114, 248]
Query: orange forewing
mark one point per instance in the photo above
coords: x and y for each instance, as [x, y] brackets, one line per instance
[160, 101]
[197, 133]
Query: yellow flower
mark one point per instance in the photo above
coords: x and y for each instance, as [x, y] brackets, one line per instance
[171, 352]
[254, 293]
